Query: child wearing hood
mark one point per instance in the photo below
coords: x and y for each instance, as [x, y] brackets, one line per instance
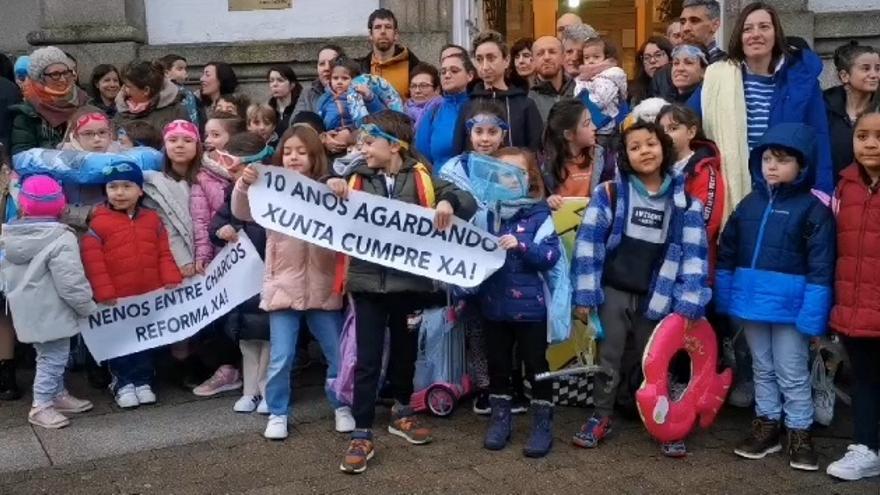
[42, 263]
[775, 272]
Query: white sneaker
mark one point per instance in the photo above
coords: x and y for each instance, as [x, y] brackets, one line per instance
[859, 462]
[126, 397]
[263, 408]
[246, 404]
[276, 429]
[344, 420]
[145, 394]
[742, 395]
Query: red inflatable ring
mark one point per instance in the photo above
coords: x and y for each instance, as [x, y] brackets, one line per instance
[672, 420]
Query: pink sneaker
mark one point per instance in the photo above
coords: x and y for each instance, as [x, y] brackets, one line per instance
[226, 378]
[47, 417]
[66, 403]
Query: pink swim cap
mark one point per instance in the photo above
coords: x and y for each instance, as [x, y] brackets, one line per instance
[41, 196]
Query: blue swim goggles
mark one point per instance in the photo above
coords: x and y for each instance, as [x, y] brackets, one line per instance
[377, 132]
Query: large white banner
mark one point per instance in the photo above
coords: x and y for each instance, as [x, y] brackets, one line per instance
[373, 228]
[164, 317]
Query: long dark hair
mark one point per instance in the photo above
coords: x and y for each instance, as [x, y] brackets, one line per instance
[513, 76]
[287, 72]
[665, 142]
[564, 116]
[98, 74]
[638, 90]
[780, 45]
[683, 115]
[227, 78]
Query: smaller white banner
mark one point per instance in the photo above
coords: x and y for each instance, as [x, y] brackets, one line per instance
[373, 228]
[164, 317]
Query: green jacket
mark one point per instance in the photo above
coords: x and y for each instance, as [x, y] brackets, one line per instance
[364, 276]
[30, 130]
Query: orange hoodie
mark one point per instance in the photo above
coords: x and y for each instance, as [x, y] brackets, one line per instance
[395, 70]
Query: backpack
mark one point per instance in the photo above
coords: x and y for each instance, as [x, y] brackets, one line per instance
[557, 289]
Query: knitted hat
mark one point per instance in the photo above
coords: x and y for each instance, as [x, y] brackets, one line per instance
[124, 170]
[21, 67]
[41, 196]
[43, 58]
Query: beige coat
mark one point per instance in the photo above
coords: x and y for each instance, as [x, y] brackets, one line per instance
[299, 275]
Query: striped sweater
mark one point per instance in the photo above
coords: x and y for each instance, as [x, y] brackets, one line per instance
[759, 92]
[681, 283]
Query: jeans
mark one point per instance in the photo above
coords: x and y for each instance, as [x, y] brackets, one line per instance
[284, 332]
[374, 313]
[781, 367]
[864, 354]
[531, 339]
[49, 378]
[135, 369]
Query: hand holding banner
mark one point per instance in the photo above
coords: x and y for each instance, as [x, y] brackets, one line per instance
[164, 317]
[384, 231]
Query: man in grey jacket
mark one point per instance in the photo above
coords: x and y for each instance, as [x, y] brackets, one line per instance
[551, 83]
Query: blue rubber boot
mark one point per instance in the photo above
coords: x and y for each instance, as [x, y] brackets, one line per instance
[498, 433]
[541, 439]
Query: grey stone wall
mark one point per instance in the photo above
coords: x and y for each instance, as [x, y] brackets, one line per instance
[17, 19]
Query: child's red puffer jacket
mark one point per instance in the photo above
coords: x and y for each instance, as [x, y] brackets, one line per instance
[127, 256]
[704, 181]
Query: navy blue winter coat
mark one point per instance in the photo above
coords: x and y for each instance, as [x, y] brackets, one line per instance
[778, 250]
[516, 291]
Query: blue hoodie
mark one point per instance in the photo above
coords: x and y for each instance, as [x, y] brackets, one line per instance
[798, 98]
[778, 249]
[436, 133]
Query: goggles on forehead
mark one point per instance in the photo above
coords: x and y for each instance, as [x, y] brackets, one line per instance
[90, 117]
[493, 180]
[377, 132]
[117, 167]
[486, 120]
[181, 128]
[690, 51]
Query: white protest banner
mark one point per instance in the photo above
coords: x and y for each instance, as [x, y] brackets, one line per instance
[373, 228]
[164, 317]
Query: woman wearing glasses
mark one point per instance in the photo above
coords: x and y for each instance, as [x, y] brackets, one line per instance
[424, 91]
[655, 54]
[50, 98]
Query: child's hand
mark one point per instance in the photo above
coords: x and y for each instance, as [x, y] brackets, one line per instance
[443, 215]
[582, 313]
[249, 175]
[227, 233]
[508, 242]
[364, 91]
[339, 187]
[200, 267]
[555, 202]
[188, 270]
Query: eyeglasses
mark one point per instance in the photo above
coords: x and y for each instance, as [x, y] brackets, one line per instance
[103, 134]
[654, 57]
[421, 87]
[57, 76]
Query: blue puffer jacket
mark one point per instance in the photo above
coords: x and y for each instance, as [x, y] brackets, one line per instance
[329, 106]
[776, 262]
[799, 98]
[435, 135]
[516, 291]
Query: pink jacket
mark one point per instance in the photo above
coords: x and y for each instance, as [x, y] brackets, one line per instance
[207, 196]
[299, 275]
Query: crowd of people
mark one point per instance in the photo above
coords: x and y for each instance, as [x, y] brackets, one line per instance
[722, 184]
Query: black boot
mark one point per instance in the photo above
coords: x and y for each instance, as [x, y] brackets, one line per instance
[763, 440]
[8, 388]
[801, 454]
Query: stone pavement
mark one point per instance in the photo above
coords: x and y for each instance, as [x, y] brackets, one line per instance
[188, 445]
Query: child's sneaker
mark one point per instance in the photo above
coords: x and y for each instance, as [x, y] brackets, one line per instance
[481, 404]
[764, 440]
[859, 462]
[676, 450]
[66, 403]
[126, 397]
[360, 450]
[145, 394]
[47, 417]
[246, 404]
[226, 378]
[344, 420]
[263, 407]
[276, 428]
[801, 453]
[405, 424]
[592, 432]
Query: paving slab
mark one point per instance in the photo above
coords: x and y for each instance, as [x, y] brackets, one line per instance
[20, 449]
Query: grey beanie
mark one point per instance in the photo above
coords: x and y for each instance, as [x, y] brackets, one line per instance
[44, 57]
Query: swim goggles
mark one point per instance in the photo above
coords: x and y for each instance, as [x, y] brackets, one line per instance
[486, 120]
[377, 132]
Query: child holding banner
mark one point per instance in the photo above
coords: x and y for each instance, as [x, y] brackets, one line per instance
[513, 301]
[297, 286]
[126, 253]
[47, 293]
[383, 297]
[640, 255]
